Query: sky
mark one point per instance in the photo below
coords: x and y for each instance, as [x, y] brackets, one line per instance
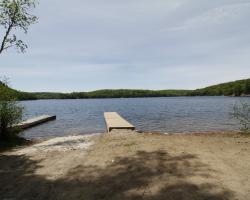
[85, 45]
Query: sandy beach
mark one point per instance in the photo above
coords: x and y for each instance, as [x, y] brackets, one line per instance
[129, 165]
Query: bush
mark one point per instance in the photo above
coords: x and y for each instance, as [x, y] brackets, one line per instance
[242, 114]
[10, 113]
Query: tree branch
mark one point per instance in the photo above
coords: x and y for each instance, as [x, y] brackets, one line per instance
[14, 15]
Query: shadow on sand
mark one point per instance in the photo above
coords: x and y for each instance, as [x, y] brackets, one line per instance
[146, 175]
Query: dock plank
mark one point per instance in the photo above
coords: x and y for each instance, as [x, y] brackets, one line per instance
[115, 121]
[35, 121]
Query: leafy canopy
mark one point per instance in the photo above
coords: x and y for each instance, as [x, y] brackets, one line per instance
[15, 14]
[242, 114]
[10, 112]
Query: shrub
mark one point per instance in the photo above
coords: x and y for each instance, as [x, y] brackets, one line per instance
[10, 113]
[242, 114]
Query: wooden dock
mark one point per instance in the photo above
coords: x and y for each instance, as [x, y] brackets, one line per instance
[35, 121]
[115, 121]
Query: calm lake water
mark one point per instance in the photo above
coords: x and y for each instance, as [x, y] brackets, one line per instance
[166, 115]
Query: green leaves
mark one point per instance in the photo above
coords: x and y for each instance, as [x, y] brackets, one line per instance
[10, 112]
[15, 14]
[242, 114]
[236, 88]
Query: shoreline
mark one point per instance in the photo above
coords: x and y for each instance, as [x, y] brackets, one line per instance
[190, 133]
[42, 139]
[36, 141]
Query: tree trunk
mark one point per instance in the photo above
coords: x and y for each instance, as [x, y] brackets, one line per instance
[5, 38]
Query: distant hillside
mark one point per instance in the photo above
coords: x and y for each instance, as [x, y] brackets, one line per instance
[120, 93]
[236, 88]
[16, 94]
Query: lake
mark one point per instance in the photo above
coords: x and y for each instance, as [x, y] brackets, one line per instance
[166, 115]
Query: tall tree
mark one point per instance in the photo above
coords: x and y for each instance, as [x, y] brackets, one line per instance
[15, 14]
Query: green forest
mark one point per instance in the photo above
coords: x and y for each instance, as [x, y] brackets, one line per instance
[16, 94]
[236, 88]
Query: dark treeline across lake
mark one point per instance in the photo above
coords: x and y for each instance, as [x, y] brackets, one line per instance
[235, 88]
[166, 115]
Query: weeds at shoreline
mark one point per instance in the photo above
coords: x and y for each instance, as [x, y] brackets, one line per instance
[242, 114]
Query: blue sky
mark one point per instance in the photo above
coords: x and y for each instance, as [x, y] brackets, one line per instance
[84, 45]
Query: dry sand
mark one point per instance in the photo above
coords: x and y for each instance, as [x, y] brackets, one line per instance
[129, 165]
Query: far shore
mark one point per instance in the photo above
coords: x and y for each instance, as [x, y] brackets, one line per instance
[130, 165]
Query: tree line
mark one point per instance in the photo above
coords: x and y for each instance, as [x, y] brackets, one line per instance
[236, 88]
